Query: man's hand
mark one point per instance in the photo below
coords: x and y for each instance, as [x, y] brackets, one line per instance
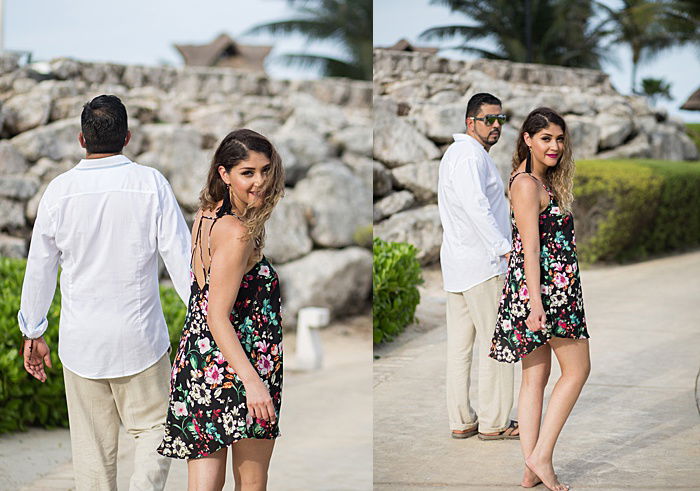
[36, 353]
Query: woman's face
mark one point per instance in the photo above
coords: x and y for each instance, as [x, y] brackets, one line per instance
[247, 179]
[547, 144]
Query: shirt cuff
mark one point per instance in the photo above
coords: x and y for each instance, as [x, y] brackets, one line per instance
[502, 249]
[32, 332]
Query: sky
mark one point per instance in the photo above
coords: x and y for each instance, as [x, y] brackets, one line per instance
[144, 31]
[396, 19]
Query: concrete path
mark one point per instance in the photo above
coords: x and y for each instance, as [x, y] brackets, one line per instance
[635, 426]
[326, 426]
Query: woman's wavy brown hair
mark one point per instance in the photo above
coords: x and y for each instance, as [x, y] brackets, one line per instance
[560, 178]
[233, 149]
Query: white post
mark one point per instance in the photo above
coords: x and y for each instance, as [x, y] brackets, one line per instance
[309, 355]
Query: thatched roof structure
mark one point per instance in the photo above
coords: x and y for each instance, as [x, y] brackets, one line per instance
[404, 45]
[224, 52]
[693, 102]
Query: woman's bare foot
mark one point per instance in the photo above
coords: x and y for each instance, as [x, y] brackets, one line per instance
[545, 471]
[530, 479]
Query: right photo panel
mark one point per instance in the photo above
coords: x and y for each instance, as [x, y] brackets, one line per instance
[536, 244]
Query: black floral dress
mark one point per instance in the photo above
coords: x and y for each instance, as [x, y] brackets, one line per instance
[207, 409]
[560, 289]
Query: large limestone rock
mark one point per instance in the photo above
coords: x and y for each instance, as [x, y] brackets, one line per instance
[215, 121]
[381, 180]
[585, 136]
[393, 203]
[18, 187]
[667, 143]
[12, 247]
[397, 142]
[176, 151]
[337, 202]
[11, 214]
[26, 111]
[614, 129]
[440, 122]
[340, 280]
[56, 141]
[356, 139]
[420, 178]
[11, 161]
[361, 166]
[287, 236]
[420, 227]
[300, 149]
[638, 147]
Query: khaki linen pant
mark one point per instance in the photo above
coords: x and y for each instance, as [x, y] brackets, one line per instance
[472, 315]
[95, 409]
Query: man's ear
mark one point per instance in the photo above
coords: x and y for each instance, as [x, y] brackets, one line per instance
[470, 124]
[128, 138]
[81, 140]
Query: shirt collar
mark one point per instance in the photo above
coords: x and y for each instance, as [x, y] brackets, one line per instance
[103, 163]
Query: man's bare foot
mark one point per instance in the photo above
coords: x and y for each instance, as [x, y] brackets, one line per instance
[530, 479]
[545, 471]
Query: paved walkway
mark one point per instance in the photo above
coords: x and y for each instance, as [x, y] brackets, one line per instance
[326, 426]
[635, 426]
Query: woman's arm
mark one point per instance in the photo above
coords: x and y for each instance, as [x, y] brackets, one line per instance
[526, 202]
[229, 258]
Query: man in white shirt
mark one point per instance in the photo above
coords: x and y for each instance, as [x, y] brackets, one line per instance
[105, 221]
[476, 242]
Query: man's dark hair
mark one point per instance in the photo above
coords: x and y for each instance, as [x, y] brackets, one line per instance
[478, 100]
[104, 124]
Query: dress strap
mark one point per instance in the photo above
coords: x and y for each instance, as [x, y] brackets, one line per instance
[510, 183]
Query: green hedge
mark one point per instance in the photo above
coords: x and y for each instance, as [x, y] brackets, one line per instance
[628, 210]
[396, 274]
[694, 132]
[24, 401]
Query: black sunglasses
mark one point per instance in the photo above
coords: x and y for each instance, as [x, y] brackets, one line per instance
[489, 119]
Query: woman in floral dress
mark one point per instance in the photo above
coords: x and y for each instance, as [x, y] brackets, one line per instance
[226, 379]
[541, 309]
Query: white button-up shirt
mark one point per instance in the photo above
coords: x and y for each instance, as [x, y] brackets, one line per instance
[474, 216]
[103, 222]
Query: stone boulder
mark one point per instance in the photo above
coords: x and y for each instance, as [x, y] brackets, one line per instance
[420, 227]
[397, 142]
[393, 203]
[12, 247]
[26, 111]
[11, 161]
[667, 143]
[340, 280]
[337, 202]
[440, 122]
[638, 147]
[584, 134]
[614, 129]
[11, 214]
[420, 178]
[215, 121]
[301, 149]
[381, 180]
[361, 166]
[287, 233]
[356, 139]
[56, 141]
[176, 151]
[18, 187]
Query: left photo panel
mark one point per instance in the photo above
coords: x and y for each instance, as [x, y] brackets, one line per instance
[185, 246]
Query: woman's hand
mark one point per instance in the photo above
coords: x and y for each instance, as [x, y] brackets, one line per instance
[537, 319]
[259, 401]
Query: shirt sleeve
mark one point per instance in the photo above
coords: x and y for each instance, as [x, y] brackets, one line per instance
[469, 181]
[39, 283]
[174, 241]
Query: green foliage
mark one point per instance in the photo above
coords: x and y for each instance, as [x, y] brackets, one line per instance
[694, 132]
[24, 401]
[363, 236]
[551, 32]
[655, 89]
[347, 23]
[396, 274]
[627, 210]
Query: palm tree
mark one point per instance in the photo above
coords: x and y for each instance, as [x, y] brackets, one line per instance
[650, 26]
[553, 32]
[656, 88]
[347, 22]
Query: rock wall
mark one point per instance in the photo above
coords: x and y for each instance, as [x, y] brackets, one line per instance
[177, 116]
[420, 101]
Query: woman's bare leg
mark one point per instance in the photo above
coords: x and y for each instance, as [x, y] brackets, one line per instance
[574, 359]
[207, 473]
[536, 368]
[251, 459]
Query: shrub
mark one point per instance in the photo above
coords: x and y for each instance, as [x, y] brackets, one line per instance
[396, 274]
[694, 132]
[627, 210]
[24, 401]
